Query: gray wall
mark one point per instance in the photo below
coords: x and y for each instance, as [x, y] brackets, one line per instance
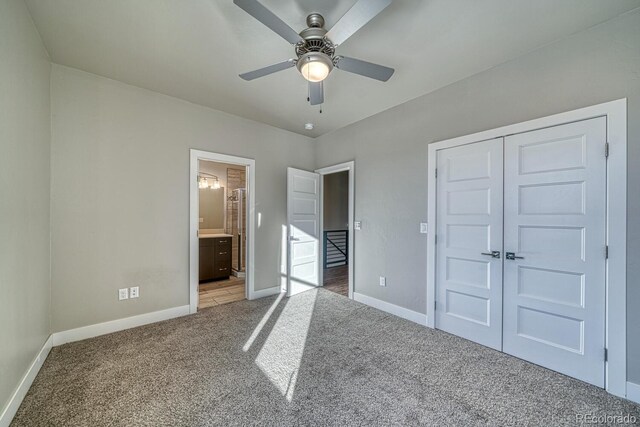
[597, 65]
[24, 194]
[110, 228]
[336, 201]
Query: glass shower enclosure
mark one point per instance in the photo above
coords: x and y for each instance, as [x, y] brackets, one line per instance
[236, 226]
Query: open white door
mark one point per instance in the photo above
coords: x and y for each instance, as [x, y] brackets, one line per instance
[303, 230]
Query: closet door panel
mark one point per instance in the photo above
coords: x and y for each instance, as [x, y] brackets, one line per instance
[554, 283]
[469, 228]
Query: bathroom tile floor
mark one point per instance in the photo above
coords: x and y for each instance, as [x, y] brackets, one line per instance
[221, 292]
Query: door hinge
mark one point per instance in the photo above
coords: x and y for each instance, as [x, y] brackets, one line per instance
[435, 305]
[606, 149]
[436, 173]
[435, 238]
[606, 355]
[606, 252]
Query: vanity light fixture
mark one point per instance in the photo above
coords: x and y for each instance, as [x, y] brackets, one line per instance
[204, 181]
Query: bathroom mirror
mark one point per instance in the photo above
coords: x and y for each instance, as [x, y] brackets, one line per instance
[211, 208]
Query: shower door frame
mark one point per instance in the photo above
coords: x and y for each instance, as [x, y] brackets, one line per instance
[241, 245]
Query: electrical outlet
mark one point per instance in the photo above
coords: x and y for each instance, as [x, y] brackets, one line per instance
[123, 294]
[423, 228]
[383, 281]
[357, 225]
[134, 292]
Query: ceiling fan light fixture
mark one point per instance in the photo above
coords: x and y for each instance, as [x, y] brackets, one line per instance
[315, 66]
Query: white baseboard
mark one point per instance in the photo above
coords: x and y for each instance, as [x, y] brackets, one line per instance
[633, 392]
[98, 329]
[264, 293]
[405, 313]
[25, 383]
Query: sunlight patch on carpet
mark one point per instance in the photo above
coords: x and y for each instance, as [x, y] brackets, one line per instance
[281, 355]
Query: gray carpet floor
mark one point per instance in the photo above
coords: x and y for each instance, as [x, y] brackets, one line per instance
[313, 359]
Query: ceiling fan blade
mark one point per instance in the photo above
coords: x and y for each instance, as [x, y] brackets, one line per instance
[316, 93]
[364, 68]
[261, 72]
[268, 18]
[355, 18]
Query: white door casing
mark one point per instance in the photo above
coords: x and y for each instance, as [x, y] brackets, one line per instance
[303, 230]
[555, 207]
[469, 228]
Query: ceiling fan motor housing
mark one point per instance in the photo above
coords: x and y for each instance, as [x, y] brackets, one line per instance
[314, 40]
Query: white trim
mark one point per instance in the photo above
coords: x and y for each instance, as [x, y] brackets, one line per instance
[350, 167]
[250, 164]
[396, 310]
[25, 383]
[616, 113]
[262, 293]
[616, 323]
[104, 328]
[633, 392]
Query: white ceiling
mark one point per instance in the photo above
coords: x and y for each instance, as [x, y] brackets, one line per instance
[195, 49]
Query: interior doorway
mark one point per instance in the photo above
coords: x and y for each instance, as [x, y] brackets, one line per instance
[335, 232]
[222, 233]
[336, 225]
[316, 256]
[222, 206]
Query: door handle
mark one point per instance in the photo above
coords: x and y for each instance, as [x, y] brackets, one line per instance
[294, 239]
[492, 254]
[512, 256]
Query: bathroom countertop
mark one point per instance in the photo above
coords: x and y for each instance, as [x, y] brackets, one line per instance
[213, 236]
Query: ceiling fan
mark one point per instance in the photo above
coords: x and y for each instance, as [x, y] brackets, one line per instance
[315, 47]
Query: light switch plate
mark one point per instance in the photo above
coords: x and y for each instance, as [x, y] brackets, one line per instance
[357, 225]
[423, 228]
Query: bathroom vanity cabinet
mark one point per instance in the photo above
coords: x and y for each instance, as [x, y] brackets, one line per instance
[215, 258]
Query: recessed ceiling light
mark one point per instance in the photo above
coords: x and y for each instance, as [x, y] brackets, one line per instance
[308, 126]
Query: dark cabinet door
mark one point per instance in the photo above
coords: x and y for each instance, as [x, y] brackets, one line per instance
[207, 260]
[207, 254]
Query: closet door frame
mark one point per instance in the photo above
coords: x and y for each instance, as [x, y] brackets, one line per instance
[616, 223]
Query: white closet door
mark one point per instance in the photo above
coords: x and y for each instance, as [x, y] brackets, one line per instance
[555, 201]
[303, 218]
[469, 228]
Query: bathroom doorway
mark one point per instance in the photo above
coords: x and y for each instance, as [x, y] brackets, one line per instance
[222, 233]
[221, 218]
